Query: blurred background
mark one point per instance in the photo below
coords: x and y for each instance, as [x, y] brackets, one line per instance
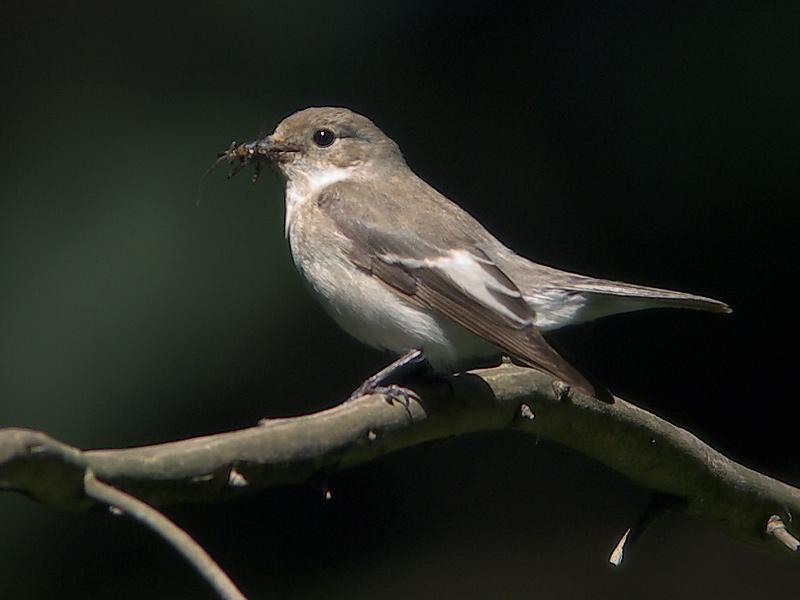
[654, 143]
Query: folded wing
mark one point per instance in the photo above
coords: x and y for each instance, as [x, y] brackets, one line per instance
[456, 279]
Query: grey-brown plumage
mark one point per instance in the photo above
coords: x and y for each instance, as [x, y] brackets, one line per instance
[399, 266]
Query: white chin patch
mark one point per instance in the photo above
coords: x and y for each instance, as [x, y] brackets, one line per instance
[302, 186]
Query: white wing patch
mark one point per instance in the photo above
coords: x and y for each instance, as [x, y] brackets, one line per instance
[465, 271]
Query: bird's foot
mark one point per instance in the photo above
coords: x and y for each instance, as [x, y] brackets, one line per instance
[412, 362]
[392, 392]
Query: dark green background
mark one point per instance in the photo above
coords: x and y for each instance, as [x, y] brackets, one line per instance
[652, 142]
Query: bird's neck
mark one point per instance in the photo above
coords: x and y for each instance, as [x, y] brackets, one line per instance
[302, 186]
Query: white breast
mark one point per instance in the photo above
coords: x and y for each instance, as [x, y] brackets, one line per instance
[372, 312]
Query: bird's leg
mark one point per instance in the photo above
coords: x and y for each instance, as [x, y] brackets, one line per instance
[411, 363]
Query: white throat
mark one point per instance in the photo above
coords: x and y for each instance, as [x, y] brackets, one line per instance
[301, 187]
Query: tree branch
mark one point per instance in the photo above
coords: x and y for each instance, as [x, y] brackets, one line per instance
[651, 452]
[181, 541]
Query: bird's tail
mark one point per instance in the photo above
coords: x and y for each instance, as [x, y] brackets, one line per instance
[555, 291]
[559, 298]
[622, 297]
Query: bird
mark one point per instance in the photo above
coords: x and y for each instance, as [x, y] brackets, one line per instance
[404, 269]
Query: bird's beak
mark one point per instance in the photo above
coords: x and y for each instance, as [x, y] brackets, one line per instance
[276, 149]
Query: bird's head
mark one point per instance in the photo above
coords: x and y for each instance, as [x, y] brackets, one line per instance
[318, 140]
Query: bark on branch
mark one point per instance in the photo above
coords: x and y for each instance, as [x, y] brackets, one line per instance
[653, 453]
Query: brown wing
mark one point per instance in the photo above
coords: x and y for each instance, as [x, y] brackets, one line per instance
[454, 278]
[433, 288]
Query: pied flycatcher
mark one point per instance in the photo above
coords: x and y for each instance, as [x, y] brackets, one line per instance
[402, 268]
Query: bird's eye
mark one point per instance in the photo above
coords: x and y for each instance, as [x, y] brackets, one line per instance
[323, 137]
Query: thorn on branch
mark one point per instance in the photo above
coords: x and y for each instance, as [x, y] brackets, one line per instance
[236, 479]
[617, 553]
[562, 390]
[654, 509]
[777, 529]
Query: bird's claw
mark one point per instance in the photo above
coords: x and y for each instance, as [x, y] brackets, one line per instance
[391, 392]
